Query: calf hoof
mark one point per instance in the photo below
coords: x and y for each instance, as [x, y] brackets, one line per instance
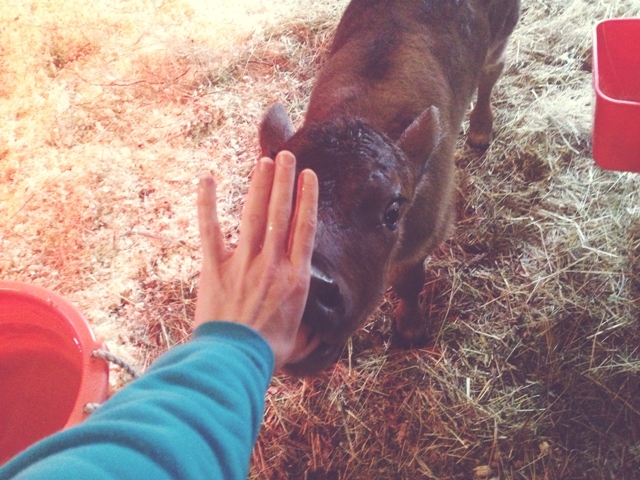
[411, 325]
[481, 141]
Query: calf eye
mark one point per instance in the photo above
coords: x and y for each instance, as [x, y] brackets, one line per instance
[392, 215]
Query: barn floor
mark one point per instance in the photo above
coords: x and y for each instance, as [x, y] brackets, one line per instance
[110, 110]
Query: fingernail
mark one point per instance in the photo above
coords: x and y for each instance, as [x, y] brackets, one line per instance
[205, 179]
[286, 158]
[265, 164]
[307, 178]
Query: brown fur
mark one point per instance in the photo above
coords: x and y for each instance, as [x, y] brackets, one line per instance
[380, 132]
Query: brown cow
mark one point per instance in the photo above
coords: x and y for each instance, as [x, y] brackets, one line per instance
[380, 133]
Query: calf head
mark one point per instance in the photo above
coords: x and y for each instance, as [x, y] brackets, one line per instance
[366, 183]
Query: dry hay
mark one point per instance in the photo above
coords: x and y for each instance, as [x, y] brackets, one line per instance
[110, 111]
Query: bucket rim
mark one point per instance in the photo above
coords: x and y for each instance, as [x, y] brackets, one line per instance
[596, 69]
[94, 379]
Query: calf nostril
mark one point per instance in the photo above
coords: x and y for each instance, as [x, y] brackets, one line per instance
[325, 290]
[328, 294]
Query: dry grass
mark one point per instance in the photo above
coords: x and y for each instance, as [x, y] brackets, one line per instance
[111, 109]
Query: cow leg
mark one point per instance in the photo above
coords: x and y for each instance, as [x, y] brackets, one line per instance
[481, 118]
[407, 280]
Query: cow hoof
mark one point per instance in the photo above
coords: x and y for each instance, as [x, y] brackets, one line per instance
[410, 326]
[412, 338]
[481, 141]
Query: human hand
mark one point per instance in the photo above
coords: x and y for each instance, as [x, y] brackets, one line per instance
[264, 282]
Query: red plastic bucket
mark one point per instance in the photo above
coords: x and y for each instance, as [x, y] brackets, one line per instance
[616, 79]
[47, 373]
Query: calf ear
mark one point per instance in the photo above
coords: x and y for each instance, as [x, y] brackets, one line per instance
[422, 136]
[275, 130]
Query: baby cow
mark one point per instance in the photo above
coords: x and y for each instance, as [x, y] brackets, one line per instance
[380, 133]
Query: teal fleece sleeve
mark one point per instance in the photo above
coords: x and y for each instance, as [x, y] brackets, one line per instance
[194, 414]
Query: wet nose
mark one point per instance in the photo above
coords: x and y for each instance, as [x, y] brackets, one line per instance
[324, 294]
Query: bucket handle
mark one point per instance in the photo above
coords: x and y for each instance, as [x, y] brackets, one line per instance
[110, 357]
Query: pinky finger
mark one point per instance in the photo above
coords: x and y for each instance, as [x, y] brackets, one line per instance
[208, 225]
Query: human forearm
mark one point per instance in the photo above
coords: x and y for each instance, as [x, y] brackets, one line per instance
[194, 414]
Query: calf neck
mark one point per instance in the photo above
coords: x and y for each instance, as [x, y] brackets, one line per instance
[380, 133]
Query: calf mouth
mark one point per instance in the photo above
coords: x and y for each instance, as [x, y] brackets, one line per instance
[306, 342]
[313, 351]
[327, 321]
[319, 357]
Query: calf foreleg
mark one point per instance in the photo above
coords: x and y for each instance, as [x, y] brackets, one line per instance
[481, 118]
[407, 280]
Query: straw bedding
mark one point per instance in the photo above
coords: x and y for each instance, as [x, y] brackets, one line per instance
[111, 110]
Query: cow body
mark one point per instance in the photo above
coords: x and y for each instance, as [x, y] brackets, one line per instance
[380, 133]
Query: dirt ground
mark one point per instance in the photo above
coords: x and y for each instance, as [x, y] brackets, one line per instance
[111, 109]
